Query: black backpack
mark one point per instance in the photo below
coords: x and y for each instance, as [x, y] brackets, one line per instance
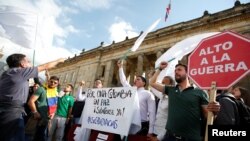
[243, 110]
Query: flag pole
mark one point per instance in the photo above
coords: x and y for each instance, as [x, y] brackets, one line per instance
[34, 52]
[126, 54]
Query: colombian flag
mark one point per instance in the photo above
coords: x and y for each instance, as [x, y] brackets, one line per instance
[52, 100]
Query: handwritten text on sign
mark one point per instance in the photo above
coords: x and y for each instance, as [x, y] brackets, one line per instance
[109, 109]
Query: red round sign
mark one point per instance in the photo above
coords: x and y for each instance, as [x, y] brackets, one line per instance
[223, 58]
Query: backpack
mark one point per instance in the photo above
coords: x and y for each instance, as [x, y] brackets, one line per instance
[243, 111]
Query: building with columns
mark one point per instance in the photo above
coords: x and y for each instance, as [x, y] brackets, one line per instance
[100, 62]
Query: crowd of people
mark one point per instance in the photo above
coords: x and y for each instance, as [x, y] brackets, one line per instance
[171, 110]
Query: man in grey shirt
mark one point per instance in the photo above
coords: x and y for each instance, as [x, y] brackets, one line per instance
[14, 88]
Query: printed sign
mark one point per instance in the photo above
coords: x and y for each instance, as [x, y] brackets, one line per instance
[223, 58]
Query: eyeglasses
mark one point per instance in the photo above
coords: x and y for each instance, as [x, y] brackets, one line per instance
[53, 82]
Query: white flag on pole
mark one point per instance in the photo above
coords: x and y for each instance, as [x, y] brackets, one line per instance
[144, 34]
[177, 52]
[18, 25]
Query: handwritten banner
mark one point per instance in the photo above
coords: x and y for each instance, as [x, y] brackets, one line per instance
[109, 109]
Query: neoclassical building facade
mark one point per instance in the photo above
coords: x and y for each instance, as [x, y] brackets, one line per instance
[100, 62]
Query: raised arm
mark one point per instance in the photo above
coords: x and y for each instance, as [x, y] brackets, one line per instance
[47, 76]
[122, 76]
[50, 65]
[79, 95]
[152, 81]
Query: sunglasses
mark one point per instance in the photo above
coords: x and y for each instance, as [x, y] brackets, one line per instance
[54, 82]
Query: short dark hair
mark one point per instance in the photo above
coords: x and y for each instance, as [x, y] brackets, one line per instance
[14, 60]
[179, 64]
[143, 79]
[72, 87]
[54, 78]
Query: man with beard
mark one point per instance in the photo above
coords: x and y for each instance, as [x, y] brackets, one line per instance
[187, 106]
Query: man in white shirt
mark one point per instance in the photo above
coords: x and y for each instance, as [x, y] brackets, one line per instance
[162, 110]
[146, 101]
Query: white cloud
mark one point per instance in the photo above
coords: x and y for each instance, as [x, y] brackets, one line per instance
[70, 10]
[88, 5]
[71, 29]
[120, 29]
[60, 42]
[48, 8]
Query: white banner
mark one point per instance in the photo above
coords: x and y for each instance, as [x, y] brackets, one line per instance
[18, 25]
[109, 109]
[177, 52]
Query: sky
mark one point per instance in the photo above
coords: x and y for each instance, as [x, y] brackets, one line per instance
[66, 27]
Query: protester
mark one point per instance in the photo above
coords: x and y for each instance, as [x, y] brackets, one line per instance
[187, 105]
[63, 114]
[79, 103]
[98, 83]
[28, 118]
[162, 111]
[146, 101]
[43, 104]
[242, 93]
[228, 114]
[80, 95]
[32, 90]
[14, 88]
[87, 132]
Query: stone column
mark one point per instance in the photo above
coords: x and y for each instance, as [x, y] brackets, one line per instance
[108, 77]
[77, 79]
[98, 67]
[159, 53]
[140, 64]
[132, 74]
[125, 66]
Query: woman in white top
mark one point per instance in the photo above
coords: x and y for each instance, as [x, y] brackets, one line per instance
[162, 111]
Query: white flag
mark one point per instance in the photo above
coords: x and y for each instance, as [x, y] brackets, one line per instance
[144, 34]
[18, 25]
[177, 52]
